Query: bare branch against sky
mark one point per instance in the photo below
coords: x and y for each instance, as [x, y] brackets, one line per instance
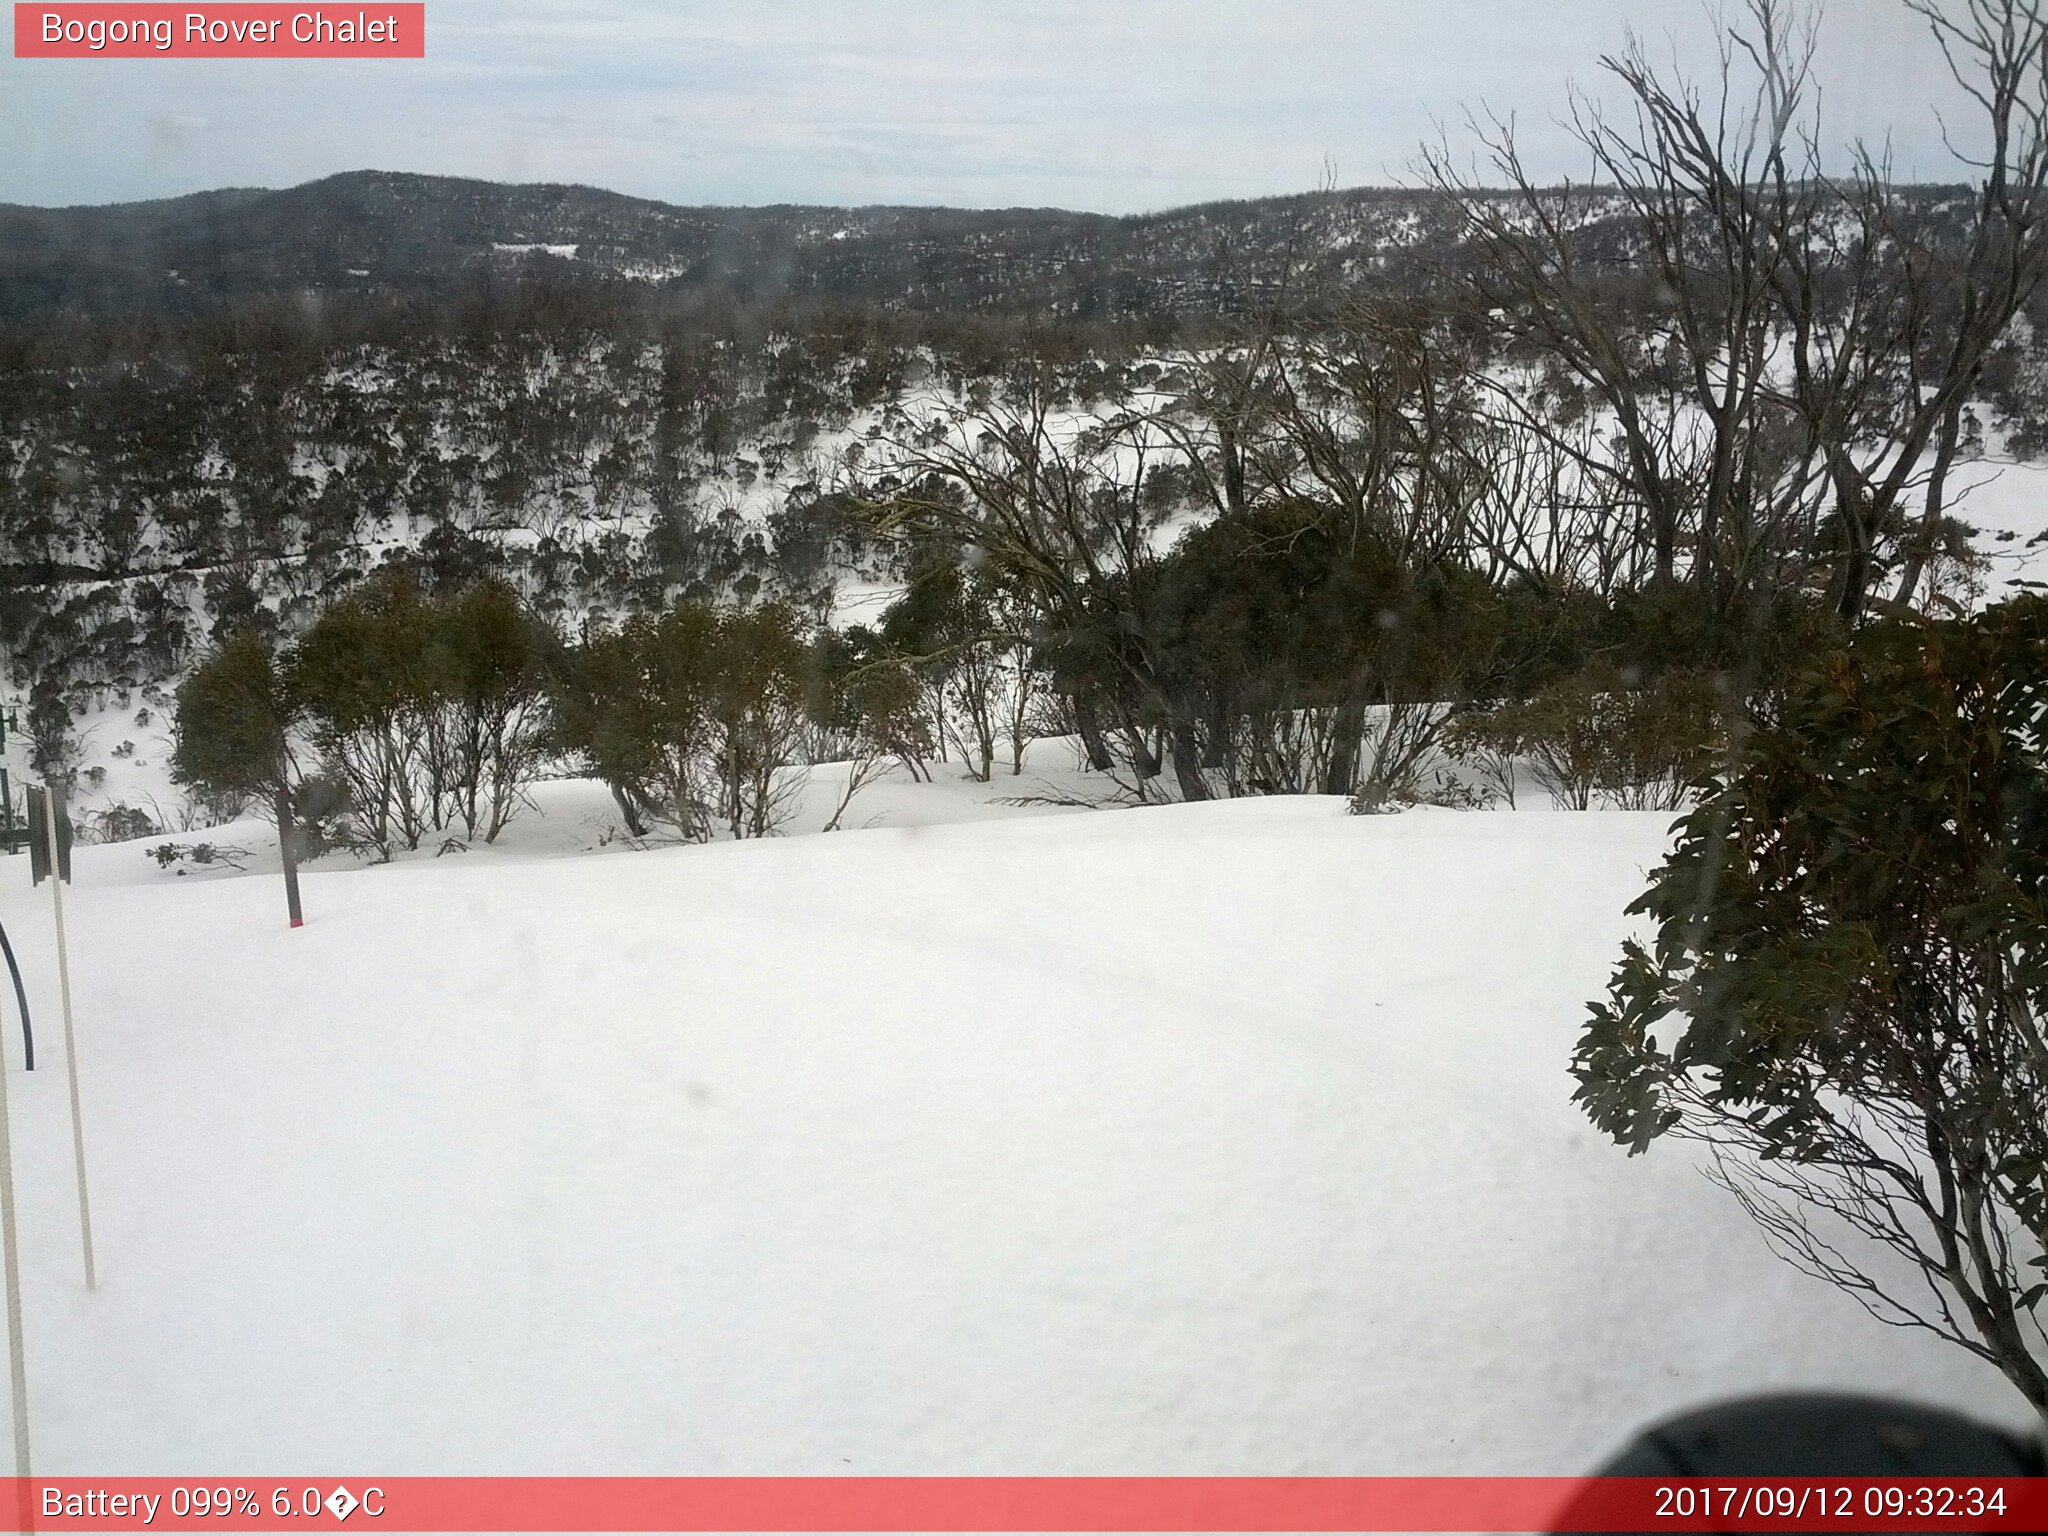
[1113, 105]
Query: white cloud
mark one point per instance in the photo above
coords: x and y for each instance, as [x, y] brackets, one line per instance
[1139, 104]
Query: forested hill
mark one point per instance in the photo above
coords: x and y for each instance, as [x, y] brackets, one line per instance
[225, 414]
[380, 232]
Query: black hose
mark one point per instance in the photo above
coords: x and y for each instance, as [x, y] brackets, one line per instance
[28, 1039]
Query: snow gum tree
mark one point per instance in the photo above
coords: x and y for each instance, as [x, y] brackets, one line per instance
[361, 671]
[1782, 344]
[695, 716]
[235, 719]
[233, 724]
[428, 708]
[946, 619]
[633, 703]
[487, 654]
[1844, 997]
[759, 697]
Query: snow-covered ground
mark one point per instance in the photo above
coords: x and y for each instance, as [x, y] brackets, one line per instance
[2006, 501]
[1231, 1138]
[993, 1135]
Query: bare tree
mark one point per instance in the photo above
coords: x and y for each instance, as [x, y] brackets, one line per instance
[1791, 369]
[1053, 498]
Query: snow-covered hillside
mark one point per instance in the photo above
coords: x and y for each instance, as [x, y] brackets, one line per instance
[125, 737]
[1196, 1139]
[2006, 501]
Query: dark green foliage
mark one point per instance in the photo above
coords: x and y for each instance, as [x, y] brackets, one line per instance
[201, 855]
[1276, 608]
[120, 824]
[361, 674]
[1642, 635]
[1848, 980]
[1275, 635]
[1599, 737]
[632, 702]
[234, 716]
[949, 630]
[865, 700]
[691, 715]
[758, 692]
[889, 720]
[815, 537]
[426, 708]
[486, 662]
[53, 750]
[320, 809]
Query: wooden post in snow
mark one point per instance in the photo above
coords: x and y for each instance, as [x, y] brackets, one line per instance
[60, 868]
[286, 837]
[10, 1261]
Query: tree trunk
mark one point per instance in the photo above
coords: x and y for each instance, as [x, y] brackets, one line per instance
[1937, 499]
[1216, 738]
[1092, 741]
[627, 810]
[288, 851]
[1187, 762]
[1855, 582]
[1852, 507]
[1347, 735]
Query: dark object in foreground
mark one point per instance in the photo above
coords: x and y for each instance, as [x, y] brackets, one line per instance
[1822, 1435]
[28, 1034]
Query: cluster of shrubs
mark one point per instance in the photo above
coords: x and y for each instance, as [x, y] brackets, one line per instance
[692, 715]
[424, 712]
[1597, 737]
[1622, 702]
[403, 716]
[394, 716]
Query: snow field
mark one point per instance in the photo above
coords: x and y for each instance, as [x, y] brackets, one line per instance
[1231, 1138]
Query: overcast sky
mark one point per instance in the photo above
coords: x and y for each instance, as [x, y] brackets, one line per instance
[1112, 105]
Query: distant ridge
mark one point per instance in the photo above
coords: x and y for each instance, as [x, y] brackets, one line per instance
[370, 231]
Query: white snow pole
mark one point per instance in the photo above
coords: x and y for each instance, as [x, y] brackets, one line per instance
[70, 1035]
[17, 1367]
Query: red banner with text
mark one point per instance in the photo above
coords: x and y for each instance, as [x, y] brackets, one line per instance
[241, 31]
[1053, 1504]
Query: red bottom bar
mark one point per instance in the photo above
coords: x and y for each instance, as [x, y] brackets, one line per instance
[1062, 1504]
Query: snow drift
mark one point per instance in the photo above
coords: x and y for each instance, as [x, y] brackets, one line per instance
[1230, 1138]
